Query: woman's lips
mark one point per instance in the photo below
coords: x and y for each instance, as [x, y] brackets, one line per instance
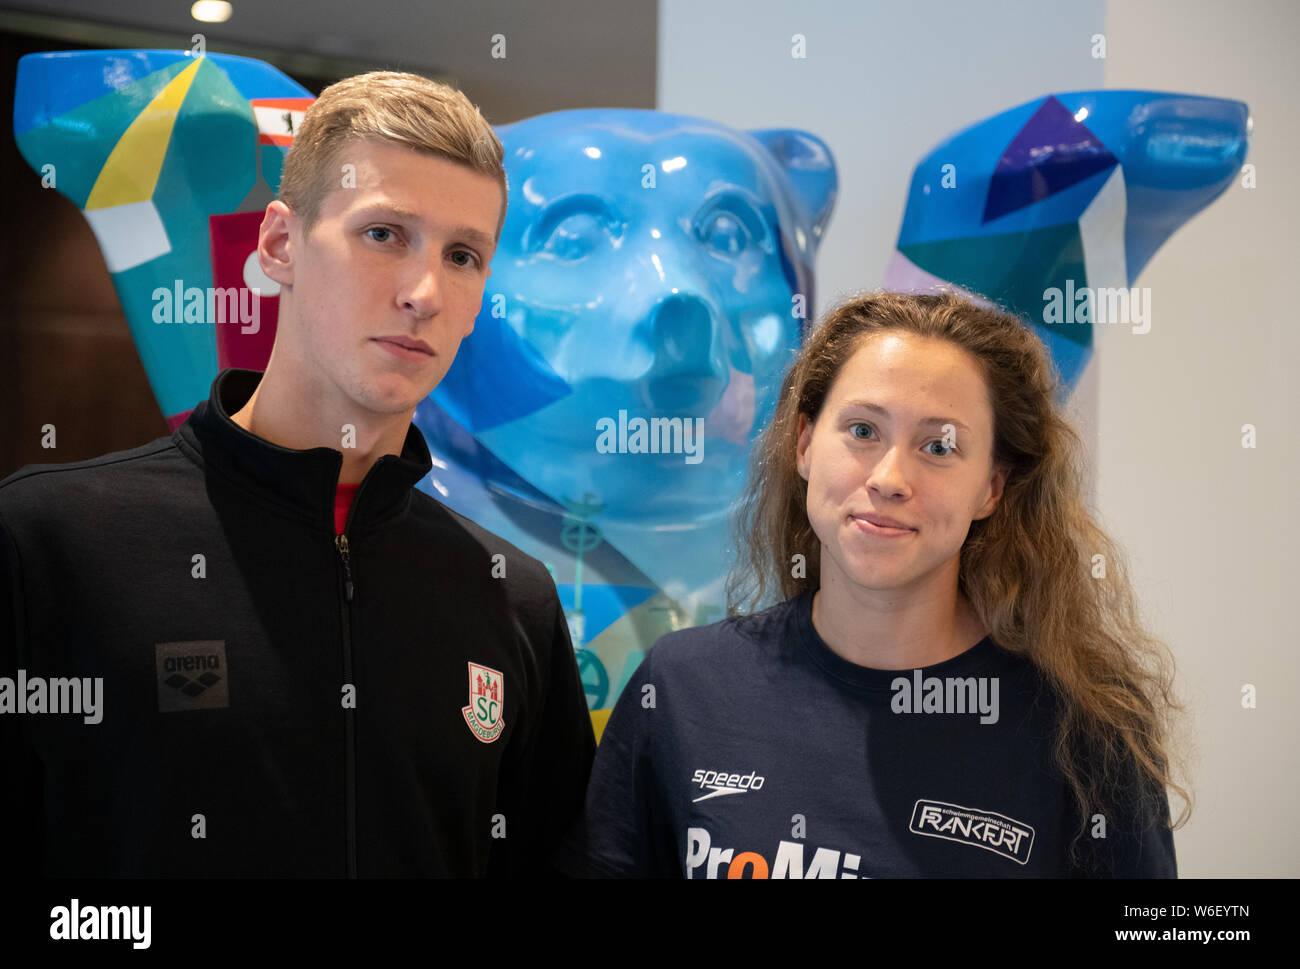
[882, 531]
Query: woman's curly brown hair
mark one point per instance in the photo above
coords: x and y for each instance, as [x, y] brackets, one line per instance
[1030, 569]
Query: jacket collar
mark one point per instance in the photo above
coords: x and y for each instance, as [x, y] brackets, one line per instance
[300, 482]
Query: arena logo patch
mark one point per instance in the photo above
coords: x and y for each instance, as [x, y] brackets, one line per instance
[192, 676]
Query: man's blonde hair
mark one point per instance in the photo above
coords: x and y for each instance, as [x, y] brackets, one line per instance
[405, 109]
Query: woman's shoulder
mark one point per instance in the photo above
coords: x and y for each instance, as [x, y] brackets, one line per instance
[738, 640]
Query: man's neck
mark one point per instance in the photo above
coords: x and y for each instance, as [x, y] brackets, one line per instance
[895, 629]
[295, 417]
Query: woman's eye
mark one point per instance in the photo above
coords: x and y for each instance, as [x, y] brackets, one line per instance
[860, 430]
[387, 233]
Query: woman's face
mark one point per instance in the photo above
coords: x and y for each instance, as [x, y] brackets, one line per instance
[906, 433]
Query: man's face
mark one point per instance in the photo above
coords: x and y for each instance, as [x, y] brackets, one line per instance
[888, 460]
[401, 258]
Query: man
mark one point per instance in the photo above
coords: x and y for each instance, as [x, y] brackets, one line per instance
[298, 663]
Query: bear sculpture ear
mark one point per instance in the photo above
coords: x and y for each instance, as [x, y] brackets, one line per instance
[809, 165]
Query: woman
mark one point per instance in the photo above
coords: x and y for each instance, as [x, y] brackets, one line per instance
[955, 683]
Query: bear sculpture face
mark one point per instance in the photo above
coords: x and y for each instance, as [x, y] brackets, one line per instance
[650, 286]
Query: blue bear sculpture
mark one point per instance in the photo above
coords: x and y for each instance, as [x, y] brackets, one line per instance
[652, 282]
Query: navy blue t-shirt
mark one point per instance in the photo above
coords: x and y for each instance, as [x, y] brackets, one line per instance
[747, 748]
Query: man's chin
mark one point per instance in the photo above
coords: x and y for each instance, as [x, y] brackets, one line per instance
[386, 405]
[395, 393]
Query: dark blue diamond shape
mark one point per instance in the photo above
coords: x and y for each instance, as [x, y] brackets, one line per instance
[1049, 154]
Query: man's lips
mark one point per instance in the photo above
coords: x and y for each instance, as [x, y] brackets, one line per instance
[406, 349]
[409, 343]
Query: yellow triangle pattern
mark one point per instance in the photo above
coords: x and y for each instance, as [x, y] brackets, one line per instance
[131, 172]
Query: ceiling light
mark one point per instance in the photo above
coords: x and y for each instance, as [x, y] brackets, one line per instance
[211, 11]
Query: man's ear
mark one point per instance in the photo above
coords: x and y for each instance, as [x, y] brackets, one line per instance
[274, 246]
[805, 439]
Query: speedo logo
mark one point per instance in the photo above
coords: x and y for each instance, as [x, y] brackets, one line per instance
[720, 783]
[982, 829]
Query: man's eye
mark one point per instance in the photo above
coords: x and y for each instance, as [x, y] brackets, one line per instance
[386, 233]
[469, 260]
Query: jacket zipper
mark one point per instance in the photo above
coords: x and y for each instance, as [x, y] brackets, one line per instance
[349, 726]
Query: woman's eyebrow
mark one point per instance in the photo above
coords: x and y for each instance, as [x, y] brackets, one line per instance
[868, 405]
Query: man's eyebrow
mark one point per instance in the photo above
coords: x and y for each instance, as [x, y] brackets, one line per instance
[474, 235]
[868, 405]
[388, 208]
[406, 215]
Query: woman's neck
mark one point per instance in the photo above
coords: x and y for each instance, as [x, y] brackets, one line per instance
[896, 629]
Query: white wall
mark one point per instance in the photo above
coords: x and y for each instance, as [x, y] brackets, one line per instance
[1208, 525]
[882, 83]
[1212, 527]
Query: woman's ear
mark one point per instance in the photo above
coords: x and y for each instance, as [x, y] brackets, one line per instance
[801, 451]
[997, 484]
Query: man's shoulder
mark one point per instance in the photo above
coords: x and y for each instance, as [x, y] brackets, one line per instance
[34, 485]
[465, 537]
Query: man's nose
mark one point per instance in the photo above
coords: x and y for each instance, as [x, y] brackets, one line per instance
[422, 294]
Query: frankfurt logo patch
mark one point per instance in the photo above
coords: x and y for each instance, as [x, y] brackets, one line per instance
[192, 676]
[487, 693]
[972, 826]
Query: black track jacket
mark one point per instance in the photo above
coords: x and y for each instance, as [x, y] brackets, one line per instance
[276, 701]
